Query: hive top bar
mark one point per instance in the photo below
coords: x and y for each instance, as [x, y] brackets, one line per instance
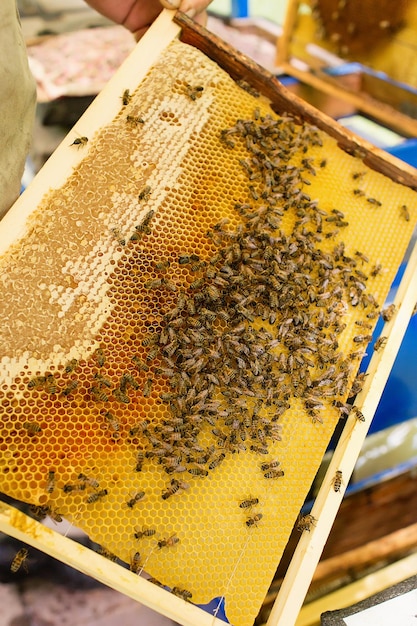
[182, 322]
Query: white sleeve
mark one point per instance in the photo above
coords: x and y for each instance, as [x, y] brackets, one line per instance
[17, 104]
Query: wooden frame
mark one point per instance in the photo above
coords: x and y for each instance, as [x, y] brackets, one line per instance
[318, 79]
[307, 554]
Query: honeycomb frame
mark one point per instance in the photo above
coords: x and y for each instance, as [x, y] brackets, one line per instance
[42, 385]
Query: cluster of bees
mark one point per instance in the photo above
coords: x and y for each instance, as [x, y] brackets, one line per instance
[232, 378]
[256, 325]
[226, 375]
[338, 22]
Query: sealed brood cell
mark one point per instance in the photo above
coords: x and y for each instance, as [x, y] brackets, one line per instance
[202, 275]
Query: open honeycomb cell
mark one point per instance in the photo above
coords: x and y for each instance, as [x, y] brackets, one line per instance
[206, 283]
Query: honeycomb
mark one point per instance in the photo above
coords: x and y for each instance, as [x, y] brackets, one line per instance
[339, 23]
[346, 29]
[182, 322]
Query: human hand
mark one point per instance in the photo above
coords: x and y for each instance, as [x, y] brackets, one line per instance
[193, 8]
[138, 15]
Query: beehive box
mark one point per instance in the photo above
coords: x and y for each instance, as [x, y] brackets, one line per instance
[184, 315]
[319, 35]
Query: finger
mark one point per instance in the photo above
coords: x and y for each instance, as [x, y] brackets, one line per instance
[170, 4]
[197, 5]
[138, 34]
[201, 18]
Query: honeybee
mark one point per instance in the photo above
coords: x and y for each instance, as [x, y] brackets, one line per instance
[140, 364]
[359, 415]
[363, 324]
[126, 97]
[156, 283]
[248, 87]
[174, 486]
[135, 564]
[135, 236]
[121, 396]
[362, 338]
[259, 449]
[80, 142]
[134, 120]
[405, 213]
[357, 354]
[100, 357]
[71, 365]
[40, 512]
[50, 481]
[182, 593]
[144, 532]
[144, 225]
[32, 428]
[198, 471]
[128, 380]
[196, 284]
[36, 382]
[147, 388]
[95, 497]
[172, 489]
[362, 257]
[253, 521]
[140, 458]
[377, 269]
[193, 92]
[51, 384]
[274, 473]
[307, 163]
[117, 234]
[102, 380]
[169, 542]
[140, 427]
[337, 481]
[107, 554]
[136, 498]
[98, 394]
[69, 488]
[91, 482]
[145, 194]
[170, 285]
[388, 313]
[374, 201]
[112, 421]
[357, 385]
[70, 388]
[19, 560]
[305, 522]
[216, 460]
[153, 352]
[162, 265]
[379, 343]
[225, 139]
[249, 503]
[212, 292]
[271, 465]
